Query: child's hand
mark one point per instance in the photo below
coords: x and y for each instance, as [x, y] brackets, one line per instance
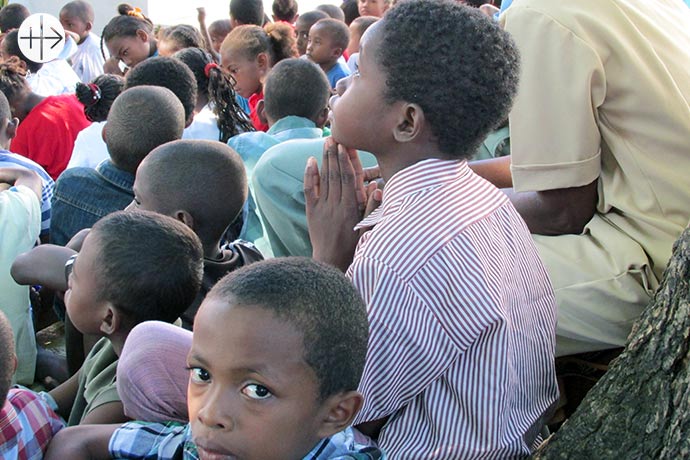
[336, 200]
[202, 15]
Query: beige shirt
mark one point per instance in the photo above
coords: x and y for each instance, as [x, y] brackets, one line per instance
[604, 94]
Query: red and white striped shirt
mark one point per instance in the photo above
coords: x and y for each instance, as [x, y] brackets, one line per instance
[462, 319]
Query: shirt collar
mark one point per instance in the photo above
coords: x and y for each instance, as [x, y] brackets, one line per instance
[290, 122]
[115, 175]
[423, 175]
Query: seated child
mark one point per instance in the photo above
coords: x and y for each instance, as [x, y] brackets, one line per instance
[129, 36]
[302, 26]
[328, 39]
[78, 17]
[293, 112]
[274, 361]
[217, 114]
[217, 32]
[140, 120]
[20, 223]
[27, 424]
[8, 129]
[248, 53]
[45, 79]
[357, 29]
[133, 267]
[176, 38]
[168, 182]
[97, 97]
[48, 125]
[461, 310]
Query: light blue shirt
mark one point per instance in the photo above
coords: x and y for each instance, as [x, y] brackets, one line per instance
[250, 147]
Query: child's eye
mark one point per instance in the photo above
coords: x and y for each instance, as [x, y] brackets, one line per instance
[256, 391]
[199, 375]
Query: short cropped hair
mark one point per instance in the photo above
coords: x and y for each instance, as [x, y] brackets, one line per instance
[12, 16]
[351, 10]
[7, 356]
[140, 120]
[336, 30]
[284, 10]
[311, 17]
[81, 9]
[362, 23]
[205, 178]
[169, 73]
[247, 11]
[11, 44]
[5, 110]
[332, 11]
[151, 265]
[282, 97]
[320, 302]
[464, 97]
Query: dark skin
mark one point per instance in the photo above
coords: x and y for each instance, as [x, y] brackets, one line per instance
[550, 212]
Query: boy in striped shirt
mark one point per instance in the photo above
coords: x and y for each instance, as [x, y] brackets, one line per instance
[461, 311]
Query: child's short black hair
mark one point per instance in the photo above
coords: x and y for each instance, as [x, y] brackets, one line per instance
[223, 26]
[282, 97]
[140, 120]
[5, 110]
[336, 30]
[12, 16]
[284, 10]
[151, 265]
[362, 23]
[310, 17]
[332, 11]
[11, 44]
[81, 9]
[320, 302]
[98, 96]
[351, 10]
[169, 73]
[7, 357]
[453, 61]
[205, 178]
[247, 11]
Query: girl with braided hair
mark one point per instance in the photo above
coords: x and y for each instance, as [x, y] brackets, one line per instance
[129, 36]
[218, 115]
[96, 97]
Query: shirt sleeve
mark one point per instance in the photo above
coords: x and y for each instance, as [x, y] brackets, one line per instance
[20, 215]
[138, 440]
[555, 139]
[408, 347]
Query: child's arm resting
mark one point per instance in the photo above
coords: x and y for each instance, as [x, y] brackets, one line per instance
[44, 265]
[81, 443]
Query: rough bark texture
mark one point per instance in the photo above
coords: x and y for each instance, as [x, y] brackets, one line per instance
[640, 409]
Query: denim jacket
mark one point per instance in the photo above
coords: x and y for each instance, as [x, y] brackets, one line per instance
[84, 195]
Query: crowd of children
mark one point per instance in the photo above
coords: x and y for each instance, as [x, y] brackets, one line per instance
[318, 236]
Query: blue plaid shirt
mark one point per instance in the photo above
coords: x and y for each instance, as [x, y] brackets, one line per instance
[173, 441]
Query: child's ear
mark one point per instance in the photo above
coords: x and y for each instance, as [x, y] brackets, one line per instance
[184, 217]
[261, 111]
[339, 411]
[11, 129]
[103, 133]
[143, 36]
[322, 118]
[410, 124]
[337, 52]
[89, 26]
[111, 321]
[263, 63]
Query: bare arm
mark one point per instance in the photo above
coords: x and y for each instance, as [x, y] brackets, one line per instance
[20, 176]
[556, 212]
[83, 442]
[495, 170]
[65, 394]
[112, 412]
[44, 265]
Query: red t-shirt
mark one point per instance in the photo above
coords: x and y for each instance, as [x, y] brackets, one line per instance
[47, 133]
[253, 101]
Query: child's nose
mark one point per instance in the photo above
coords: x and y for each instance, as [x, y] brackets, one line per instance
[216, 410]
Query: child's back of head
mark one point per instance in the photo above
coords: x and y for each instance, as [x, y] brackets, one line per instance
[140, 120]
[12, 16]
[205, 179]
[168, 73]
[145, 265]
[98, 96]
[284, 10]
[296, 87]
[247, 12]
[276, 40]
[332, 11]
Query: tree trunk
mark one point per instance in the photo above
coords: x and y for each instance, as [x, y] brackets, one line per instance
[640, 409]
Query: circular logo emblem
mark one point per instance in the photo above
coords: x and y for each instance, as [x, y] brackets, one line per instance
[41, 37]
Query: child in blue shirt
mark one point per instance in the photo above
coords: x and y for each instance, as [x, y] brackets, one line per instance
[328, 39]
[276, 355]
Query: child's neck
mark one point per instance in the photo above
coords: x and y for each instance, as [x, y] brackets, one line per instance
[404, 156]
[26, 104]
[117, 340]
[328, 66]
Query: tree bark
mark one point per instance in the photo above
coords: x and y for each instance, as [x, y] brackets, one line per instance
[640, 409]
